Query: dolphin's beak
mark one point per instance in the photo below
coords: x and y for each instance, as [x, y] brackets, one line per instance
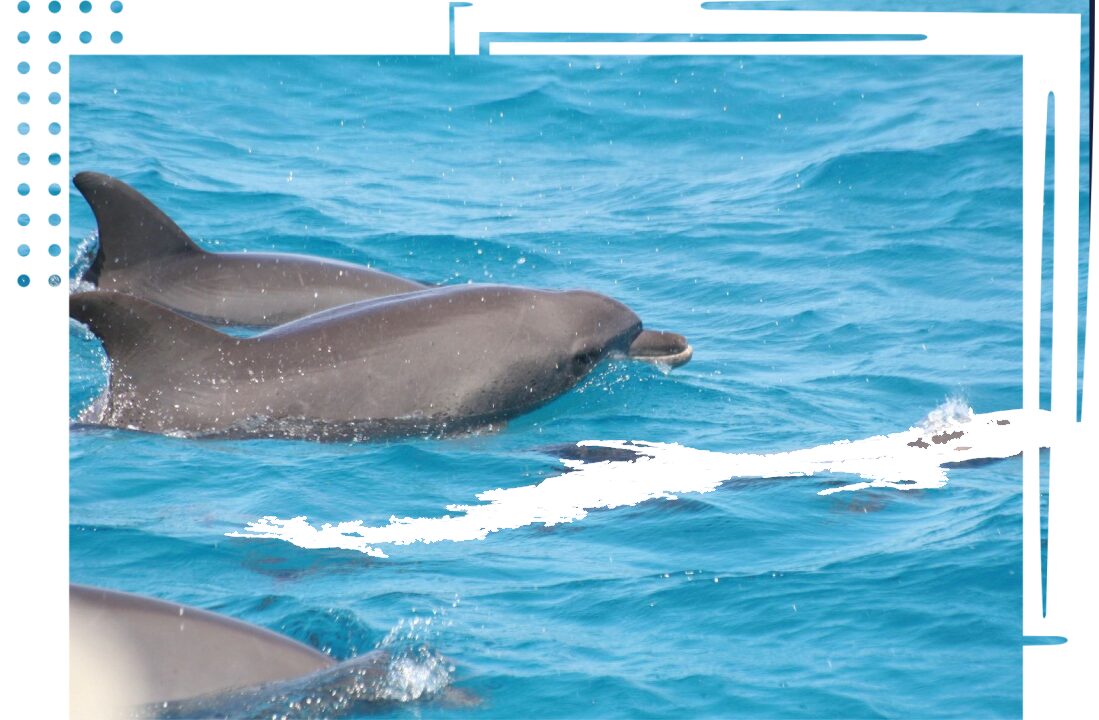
[661, 348]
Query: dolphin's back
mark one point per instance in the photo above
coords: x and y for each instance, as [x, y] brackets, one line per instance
[153, 651]
[142, 252]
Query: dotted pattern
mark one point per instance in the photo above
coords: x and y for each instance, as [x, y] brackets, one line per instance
[45, 158]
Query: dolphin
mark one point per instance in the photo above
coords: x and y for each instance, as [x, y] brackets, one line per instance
[142, 252]
[144, 650]
[434, 362]
[134, 656]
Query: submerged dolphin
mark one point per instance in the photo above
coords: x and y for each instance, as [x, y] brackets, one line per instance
[143, 253]
[133, 656]
[437, 361]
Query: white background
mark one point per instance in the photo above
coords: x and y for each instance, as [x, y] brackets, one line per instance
[34, 429]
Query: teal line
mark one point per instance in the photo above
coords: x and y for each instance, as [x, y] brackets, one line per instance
[486, 38]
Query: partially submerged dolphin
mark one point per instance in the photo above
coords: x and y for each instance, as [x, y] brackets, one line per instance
[143, 253]
[437, 361]
[152, 651]
[133, 656]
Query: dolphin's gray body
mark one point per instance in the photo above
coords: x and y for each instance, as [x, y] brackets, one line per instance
[436, 361]
[153, 651]
[142, 252]
[133, 656]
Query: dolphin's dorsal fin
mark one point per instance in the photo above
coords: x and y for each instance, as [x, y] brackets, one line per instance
[130, 325]
[154, 352]
[131, 229]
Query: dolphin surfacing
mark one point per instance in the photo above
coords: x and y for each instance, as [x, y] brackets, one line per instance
[142, 252]
[134, 650]
[435, 362]
[132, 656]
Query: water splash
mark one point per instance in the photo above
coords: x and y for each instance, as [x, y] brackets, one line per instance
[415, 669]
[917, 458]
[953, 411]
[82, 260]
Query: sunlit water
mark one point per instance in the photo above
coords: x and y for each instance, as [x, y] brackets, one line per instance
[839, 239]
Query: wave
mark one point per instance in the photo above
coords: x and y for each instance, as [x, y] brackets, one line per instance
[919, 458]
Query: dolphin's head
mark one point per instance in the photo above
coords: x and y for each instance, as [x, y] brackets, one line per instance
[600, 327]
[606, 327]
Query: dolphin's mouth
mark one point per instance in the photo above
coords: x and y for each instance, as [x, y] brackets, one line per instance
[661, 348]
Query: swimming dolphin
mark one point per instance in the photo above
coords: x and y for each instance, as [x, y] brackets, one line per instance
[143, 253]
[433, 362]
[132, 650]
[134, 656]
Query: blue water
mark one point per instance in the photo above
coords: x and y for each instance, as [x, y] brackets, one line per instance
[839, 238]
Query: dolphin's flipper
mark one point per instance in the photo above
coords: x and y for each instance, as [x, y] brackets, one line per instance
[129, 650]
[132, 230]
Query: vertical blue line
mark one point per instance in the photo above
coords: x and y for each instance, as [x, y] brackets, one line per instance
[1045, 335]
[1049, 199]
[1085, 251]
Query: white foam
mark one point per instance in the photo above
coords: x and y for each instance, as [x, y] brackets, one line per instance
[916, 458]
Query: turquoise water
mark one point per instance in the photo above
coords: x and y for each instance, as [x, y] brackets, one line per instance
[839, 238]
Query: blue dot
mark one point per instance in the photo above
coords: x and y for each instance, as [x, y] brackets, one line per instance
[24, 68]
[116, 7]
[24, 250]
[55, 37]
[55, 128]
[24, 219]
[85, 37]
[24, 158]
[24, 189]
[55, 189]
[85, 6]
[55, 67]
[55, 159]
[54, 280]
[116, 37]
[24, 128]
[54, 250]
[55, 6]
[55, 98]
[55, 219]
[23, 281]
[24, 6]
[24, 37]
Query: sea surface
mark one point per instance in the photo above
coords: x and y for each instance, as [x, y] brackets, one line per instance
[838, 237]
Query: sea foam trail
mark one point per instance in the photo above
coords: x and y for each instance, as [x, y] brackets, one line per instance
[917, 458]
